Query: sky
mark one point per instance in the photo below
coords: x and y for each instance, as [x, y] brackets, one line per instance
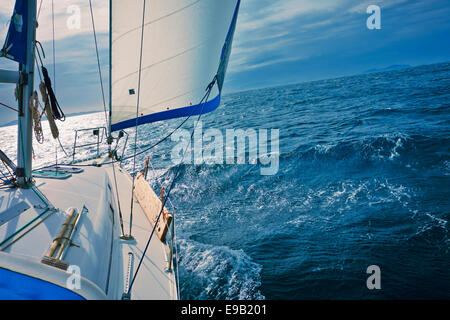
[276, 42]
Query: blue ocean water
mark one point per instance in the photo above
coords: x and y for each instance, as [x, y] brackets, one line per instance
[364, 179]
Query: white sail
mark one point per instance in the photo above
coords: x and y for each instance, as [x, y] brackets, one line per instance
[186, 44]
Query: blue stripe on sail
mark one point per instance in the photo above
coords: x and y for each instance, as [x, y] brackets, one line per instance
[170, 114]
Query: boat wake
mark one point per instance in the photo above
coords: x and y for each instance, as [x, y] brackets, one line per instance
[217, 272]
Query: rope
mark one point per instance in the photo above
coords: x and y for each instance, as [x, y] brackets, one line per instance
[40, 59]
[43, 89]
[34, 105]
[48, 112]
[56, 109]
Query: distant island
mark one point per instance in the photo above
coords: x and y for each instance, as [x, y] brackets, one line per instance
[390, 68]
[14, 122]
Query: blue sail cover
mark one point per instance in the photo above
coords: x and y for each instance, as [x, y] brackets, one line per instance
[15, 47]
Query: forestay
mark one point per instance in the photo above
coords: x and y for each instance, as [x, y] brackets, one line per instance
[186, 45]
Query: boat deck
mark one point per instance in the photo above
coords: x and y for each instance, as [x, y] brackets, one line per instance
[29, 224]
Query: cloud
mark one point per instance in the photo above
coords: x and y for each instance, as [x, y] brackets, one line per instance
[275, 12]
[278, 29]
[265, 27]
[294, 30]
[383, 4]
[268, 63]
[64, 11]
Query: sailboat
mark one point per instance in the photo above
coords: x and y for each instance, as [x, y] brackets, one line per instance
[89, 229]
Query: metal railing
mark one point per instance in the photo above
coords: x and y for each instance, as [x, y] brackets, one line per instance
[100, 132]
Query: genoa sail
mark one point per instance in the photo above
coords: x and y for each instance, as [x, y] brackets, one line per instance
[186, 46]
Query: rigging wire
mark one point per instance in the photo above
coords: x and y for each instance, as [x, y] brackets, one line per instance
[98, 63]
[6, 106]
[39, 11]
[53, 46]
[62, 148]
[7, 179]
[104, 108]
[137, 112]
[63, 117]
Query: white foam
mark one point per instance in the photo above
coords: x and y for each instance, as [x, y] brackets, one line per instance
[222, 272]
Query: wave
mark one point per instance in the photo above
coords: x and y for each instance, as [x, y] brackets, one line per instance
[217, 272]
[389, 148]
[394, 148]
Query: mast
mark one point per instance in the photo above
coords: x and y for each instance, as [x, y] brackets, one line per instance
[25, 137]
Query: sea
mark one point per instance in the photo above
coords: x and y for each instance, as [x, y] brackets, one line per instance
[363, 181]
